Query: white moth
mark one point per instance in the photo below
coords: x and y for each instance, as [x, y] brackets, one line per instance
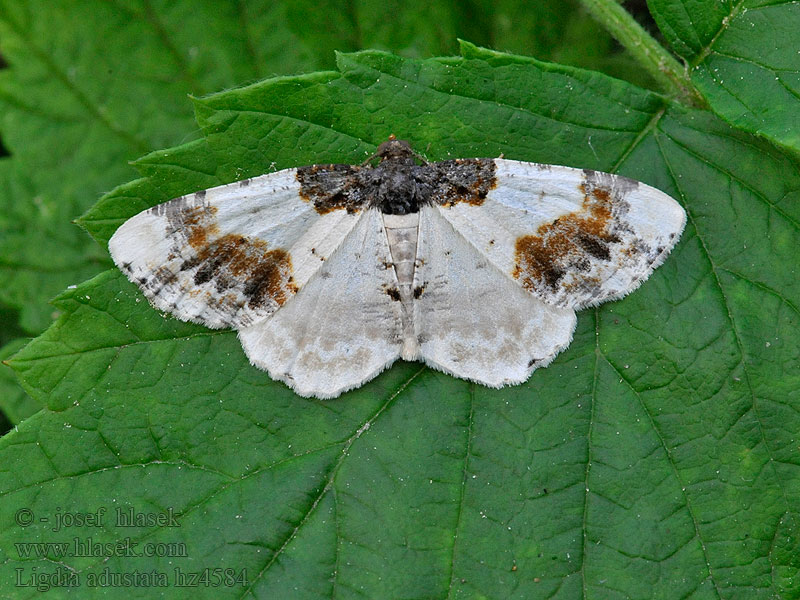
[330, 273]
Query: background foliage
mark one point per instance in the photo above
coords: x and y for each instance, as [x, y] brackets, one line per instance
[657, 457]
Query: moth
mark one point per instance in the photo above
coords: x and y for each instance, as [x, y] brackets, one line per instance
[330, 273]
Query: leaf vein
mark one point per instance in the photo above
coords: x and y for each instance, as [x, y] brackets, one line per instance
[736, 334]
[329, 483]
[675, 472]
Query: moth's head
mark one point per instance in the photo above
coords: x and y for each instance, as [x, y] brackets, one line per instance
[394, 149]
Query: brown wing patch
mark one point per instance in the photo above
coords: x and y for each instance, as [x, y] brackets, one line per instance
[601, 251]
[243, 272]
[237, 261]
[332, 187]
[233, 261]
[199, 224]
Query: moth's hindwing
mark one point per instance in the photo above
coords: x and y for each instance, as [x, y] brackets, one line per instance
[343, 327]
[472, 320]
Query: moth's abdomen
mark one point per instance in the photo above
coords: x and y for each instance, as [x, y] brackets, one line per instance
[402, 232]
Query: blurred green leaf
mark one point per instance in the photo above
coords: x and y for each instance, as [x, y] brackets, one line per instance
[41, 252]
[15, 404]
[94, 84]
[743, 56]
[655, 458]
[561, 31]
[12, 396]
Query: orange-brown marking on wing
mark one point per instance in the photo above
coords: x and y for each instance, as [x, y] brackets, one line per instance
[264, 274]
[200, 225]
[267, 274]
[570, 241]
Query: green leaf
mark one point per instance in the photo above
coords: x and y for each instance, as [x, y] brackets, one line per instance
[743, 58]
[14, 402]
[656, 457]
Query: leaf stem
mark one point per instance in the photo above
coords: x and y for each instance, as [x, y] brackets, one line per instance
[656, 60]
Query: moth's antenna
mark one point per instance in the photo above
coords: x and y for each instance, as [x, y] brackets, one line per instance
[392, 137]
[419, 156]
[369, 160]
[424, 159]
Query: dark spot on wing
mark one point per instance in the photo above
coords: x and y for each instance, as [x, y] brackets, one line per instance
[224, 282]
[552, 275]
[461, 180]
[397, 185]
[593, 245]
[270, 278]
[243, 268]
[418, 291]
[583, 264]
[155, 282]
[332, 187]
[393, 293]
[164, 276]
